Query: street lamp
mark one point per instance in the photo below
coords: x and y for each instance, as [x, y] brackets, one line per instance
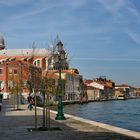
[58, 59]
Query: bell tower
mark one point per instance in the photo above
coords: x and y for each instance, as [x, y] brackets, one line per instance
[2, 45]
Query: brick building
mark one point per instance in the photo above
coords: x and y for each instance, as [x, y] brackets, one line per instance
[28, 66]
[21, 63]
[17, 73]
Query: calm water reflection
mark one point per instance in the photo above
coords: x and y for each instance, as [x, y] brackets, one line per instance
[125, 114]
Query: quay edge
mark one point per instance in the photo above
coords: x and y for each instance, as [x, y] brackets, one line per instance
[119, 130]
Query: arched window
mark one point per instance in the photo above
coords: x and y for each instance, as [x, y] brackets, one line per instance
[34, 63]
[1, 71]
[37, 63]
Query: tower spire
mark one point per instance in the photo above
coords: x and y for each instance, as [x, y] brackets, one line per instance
[2, 45]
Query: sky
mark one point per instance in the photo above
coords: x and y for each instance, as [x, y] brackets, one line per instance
[101, 37]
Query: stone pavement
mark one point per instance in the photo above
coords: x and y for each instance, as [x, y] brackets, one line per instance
[14, 124]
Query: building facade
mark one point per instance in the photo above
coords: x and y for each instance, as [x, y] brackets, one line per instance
[16, 74]
[73, 88]
[126, 90]
[18, 63]
[33, 62]
[94, 90]
[109, 87]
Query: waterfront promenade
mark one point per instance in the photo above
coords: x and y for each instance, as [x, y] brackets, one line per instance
[14, 124]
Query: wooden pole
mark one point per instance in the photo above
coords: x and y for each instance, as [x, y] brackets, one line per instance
[48, 112]
[43, 92]
[35, 110]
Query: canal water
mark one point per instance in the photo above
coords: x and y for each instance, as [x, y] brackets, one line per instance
[121, 113]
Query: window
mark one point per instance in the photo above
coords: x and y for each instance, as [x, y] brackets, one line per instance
[15, 71]
[10, 71]
[38, 62]
[0, 85]
[0, 71]
[24, 83]
[34, 62]
[10, 84]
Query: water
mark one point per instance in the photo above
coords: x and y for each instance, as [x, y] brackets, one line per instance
[121, 113]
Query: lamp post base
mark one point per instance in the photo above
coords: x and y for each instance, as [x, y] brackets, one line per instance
[60, 117]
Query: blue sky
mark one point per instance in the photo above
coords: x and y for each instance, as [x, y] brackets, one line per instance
[102, 37]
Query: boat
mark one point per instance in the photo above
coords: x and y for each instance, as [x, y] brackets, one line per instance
[121, 97]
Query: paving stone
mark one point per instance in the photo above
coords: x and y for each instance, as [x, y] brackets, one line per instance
[14, 125]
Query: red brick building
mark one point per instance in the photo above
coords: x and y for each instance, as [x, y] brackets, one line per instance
[21, 63]
[17, 73]
[28, 66]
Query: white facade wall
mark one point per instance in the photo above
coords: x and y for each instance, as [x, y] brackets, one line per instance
[72, 87]
[96, 85]
[94, 93]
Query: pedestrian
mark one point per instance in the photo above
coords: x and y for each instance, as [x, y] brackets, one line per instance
[30, 101]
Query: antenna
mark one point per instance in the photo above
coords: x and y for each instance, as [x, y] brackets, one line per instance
[33, 49]
[33, 45]
[57, 39]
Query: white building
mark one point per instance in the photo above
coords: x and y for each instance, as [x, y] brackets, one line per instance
[94, 90]
[72, 87]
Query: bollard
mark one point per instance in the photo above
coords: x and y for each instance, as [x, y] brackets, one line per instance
[1, 97]
[0, 106]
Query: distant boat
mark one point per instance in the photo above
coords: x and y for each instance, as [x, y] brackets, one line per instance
[121, 97]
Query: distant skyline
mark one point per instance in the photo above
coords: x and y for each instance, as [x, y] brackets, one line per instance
[102, 37]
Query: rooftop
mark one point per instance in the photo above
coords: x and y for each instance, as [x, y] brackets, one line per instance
[24, 52]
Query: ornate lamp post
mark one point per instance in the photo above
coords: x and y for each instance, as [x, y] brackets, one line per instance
[59, 59]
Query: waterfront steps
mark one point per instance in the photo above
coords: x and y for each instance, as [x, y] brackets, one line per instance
[14, 124]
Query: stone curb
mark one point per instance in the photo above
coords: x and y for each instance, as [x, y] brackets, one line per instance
[119, 130]
[105, 126]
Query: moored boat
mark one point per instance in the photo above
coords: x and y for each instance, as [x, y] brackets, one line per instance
[121, 97]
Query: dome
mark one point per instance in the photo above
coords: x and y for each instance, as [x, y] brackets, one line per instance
[2, 46]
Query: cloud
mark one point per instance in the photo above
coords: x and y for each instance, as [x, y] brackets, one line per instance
[123, 10]
[12, 2]
[106, 59]
[113, 6]
[41, 7]
[134, 12]
[73, 3]
[28, 14]
[134, 36]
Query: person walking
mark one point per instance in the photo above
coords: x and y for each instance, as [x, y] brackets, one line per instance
[30, 101]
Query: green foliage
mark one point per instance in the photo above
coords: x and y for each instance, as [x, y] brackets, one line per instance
[15, 86]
